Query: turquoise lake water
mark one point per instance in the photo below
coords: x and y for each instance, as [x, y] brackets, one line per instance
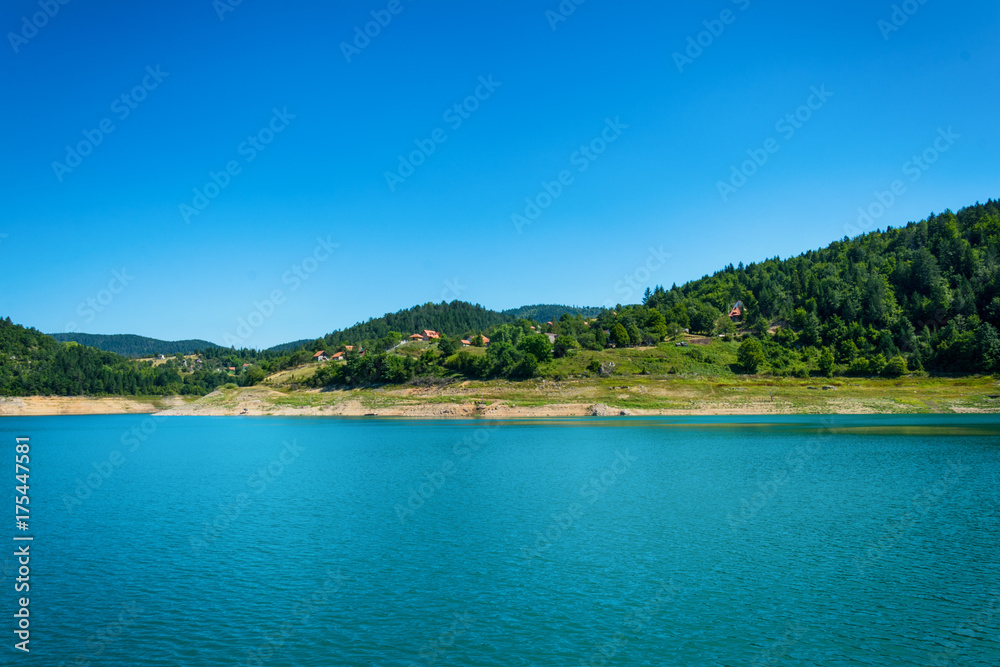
[659, 541]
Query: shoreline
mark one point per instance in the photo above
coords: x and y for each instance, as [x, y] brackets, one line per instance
[546, 399]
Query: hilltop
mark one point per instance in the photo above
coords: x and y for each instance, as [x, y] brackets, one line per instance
[916, 301]
[130, 345]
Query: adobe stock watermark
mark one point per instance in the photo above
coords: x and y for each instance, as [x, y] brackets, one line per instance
[130, 440]
[696, 44]
[777, 651]
[563, 11]
[590, 492]
[635, 622]
[249, 149]
[633, 282]
[381, 18]
[294, 277]
[454, 116]
[794, 461]
[901, 13]
[98, 642]
[431, 652]
[223, 7]
[970, 629]
[914, 168]
[121, 107]
[89, 308]
[433, 481]
[453, 290]
[786, 126]
[928, 498]
[297, 617]
[581, 158]
[37, 21]
[258, 482]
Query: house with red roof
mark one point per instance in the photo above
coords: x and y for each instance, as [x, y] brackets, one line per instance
[736, 312]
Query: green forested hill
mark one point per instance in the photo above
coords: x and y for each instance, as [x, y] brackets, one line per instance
[455, 318]
[550, 312]
[293, 345]
[130, 345]
[924, 297]
[33, 363]
[928, 292]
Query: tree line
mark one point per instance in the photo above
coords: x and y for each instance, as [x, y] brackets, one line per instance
[924, 297]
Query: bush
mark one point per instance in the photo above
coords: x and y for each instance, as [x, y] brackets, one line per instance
[537, 345]
[859, 366]
[619, 337]
[895, 367]
[826, 362]
[563, 345]
[750, 355]
[254, 375]
[446, 346]
[229, 385]
[527, 367]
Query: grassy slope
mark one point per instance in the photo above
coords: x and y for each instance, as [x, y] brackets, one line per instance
[667, 378]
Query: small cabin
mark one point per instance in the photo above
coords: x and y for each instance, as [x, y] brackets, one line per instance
[736, 312]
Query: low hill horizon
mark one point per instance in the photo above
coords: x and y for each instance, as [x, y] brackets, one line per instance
[417, 317]
[924, 297]
[134, 345]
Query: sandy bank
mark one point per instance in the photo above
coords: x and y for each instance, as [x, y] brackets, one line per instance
[74, 405]
[541, 399]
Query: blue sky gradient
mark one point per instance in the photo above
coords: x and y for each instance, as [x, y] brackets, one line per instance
[642, 209]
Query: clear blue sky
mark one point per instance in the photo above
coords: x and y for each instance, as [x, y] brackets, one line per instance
[446, 230]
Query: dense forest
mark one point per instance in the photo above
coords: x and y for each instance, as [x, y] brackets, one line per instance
[451, 318]
[921, 298]
[925, 297]
[33, 363]
[130, 345]
[927, 294]
[549, 312]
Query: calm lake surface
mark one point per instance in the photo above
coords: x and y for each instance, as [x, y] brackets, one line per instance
[659, 541]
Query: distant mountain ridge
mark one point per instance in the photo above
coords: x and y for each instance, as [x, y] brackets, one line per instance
[293, 345]
[924, 297]
[131, 345]
[452, 318]
[547, 312]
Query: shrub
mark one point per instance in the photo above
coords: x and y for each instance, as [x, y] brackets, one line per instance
[563, 345]
[895, 367]
[750, 355]
[826, 362]
[859, 366]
